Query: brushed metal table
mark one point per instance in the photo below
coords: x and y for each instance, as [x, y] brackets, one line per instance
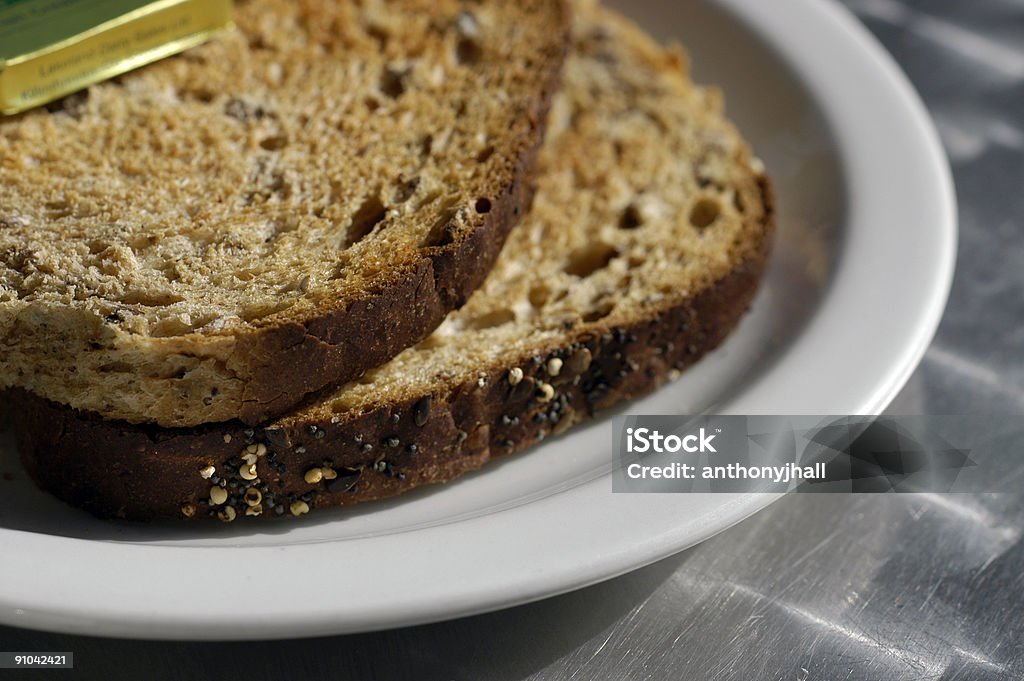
[818, 586]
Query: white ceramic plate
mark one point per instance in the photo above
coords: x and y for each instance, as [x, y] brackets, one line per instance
[862, 265]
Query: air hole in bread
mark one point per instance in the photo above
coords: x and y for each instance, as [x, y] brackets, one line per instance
[198, 94]
[300, 284]
[140, 243]
[266, 181]
[704, 213]
[492, 319]
[369, 215]
[483, 206]
[116, 368]
[380, 34]
[372, 104]
[598, 313]
[392, 82]
[274, 143]
[243, 111]
[468, 52]
[151, 298]
[258, 42]
[170, 271]
[340, 406]
[264, 309]
[539, 296]
[426, 146]
[163, 371]
[57, 209]
[165, 328]
[444, 229]
[405, 189]
[593, 257]
[19, 259]
[485, 154]
[738, 203]
[631, 218]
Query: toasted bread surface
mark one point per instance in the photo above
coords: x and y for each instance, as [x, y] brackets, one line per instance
[217, 235]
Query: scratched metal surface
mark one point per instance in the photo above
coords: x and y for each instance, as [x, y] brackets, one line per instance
[816, 587]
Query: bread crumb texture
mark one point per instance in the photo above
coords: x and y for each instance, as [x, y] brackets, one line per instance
[154, 227]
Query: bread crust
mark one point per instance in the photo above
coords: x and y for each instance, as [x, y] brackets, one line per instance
[117, 470]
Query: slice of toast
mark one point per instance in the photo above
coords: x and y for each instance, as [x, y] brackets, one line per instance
[219, 234]
[644, 248]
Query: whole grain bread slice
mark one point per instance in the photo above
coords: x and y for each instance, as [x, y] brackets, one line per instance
[646, 242]
[219, 234]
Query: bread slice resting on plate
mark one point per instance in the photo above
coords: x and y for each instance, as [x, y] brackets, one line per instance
[645, 244]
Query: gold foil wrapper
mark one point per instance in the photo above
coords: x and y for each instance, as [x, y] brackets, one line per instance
[51, 48]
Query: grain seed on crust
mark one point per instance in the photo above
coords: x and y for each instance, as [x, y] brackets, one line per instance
[218, 495]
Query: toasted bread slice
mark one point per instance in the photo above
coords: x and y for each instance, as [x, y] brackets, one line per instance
[219, 234]
[644, 248]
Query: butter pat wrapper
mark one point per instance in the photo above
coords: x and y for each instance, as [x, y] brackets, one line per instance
[51, 48]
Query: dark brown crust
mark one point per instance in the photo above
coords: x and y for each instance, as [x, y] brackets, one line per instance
[139, 472]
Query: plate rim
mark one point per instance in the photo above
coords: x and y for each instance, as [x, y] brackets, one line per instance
[67, 610]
